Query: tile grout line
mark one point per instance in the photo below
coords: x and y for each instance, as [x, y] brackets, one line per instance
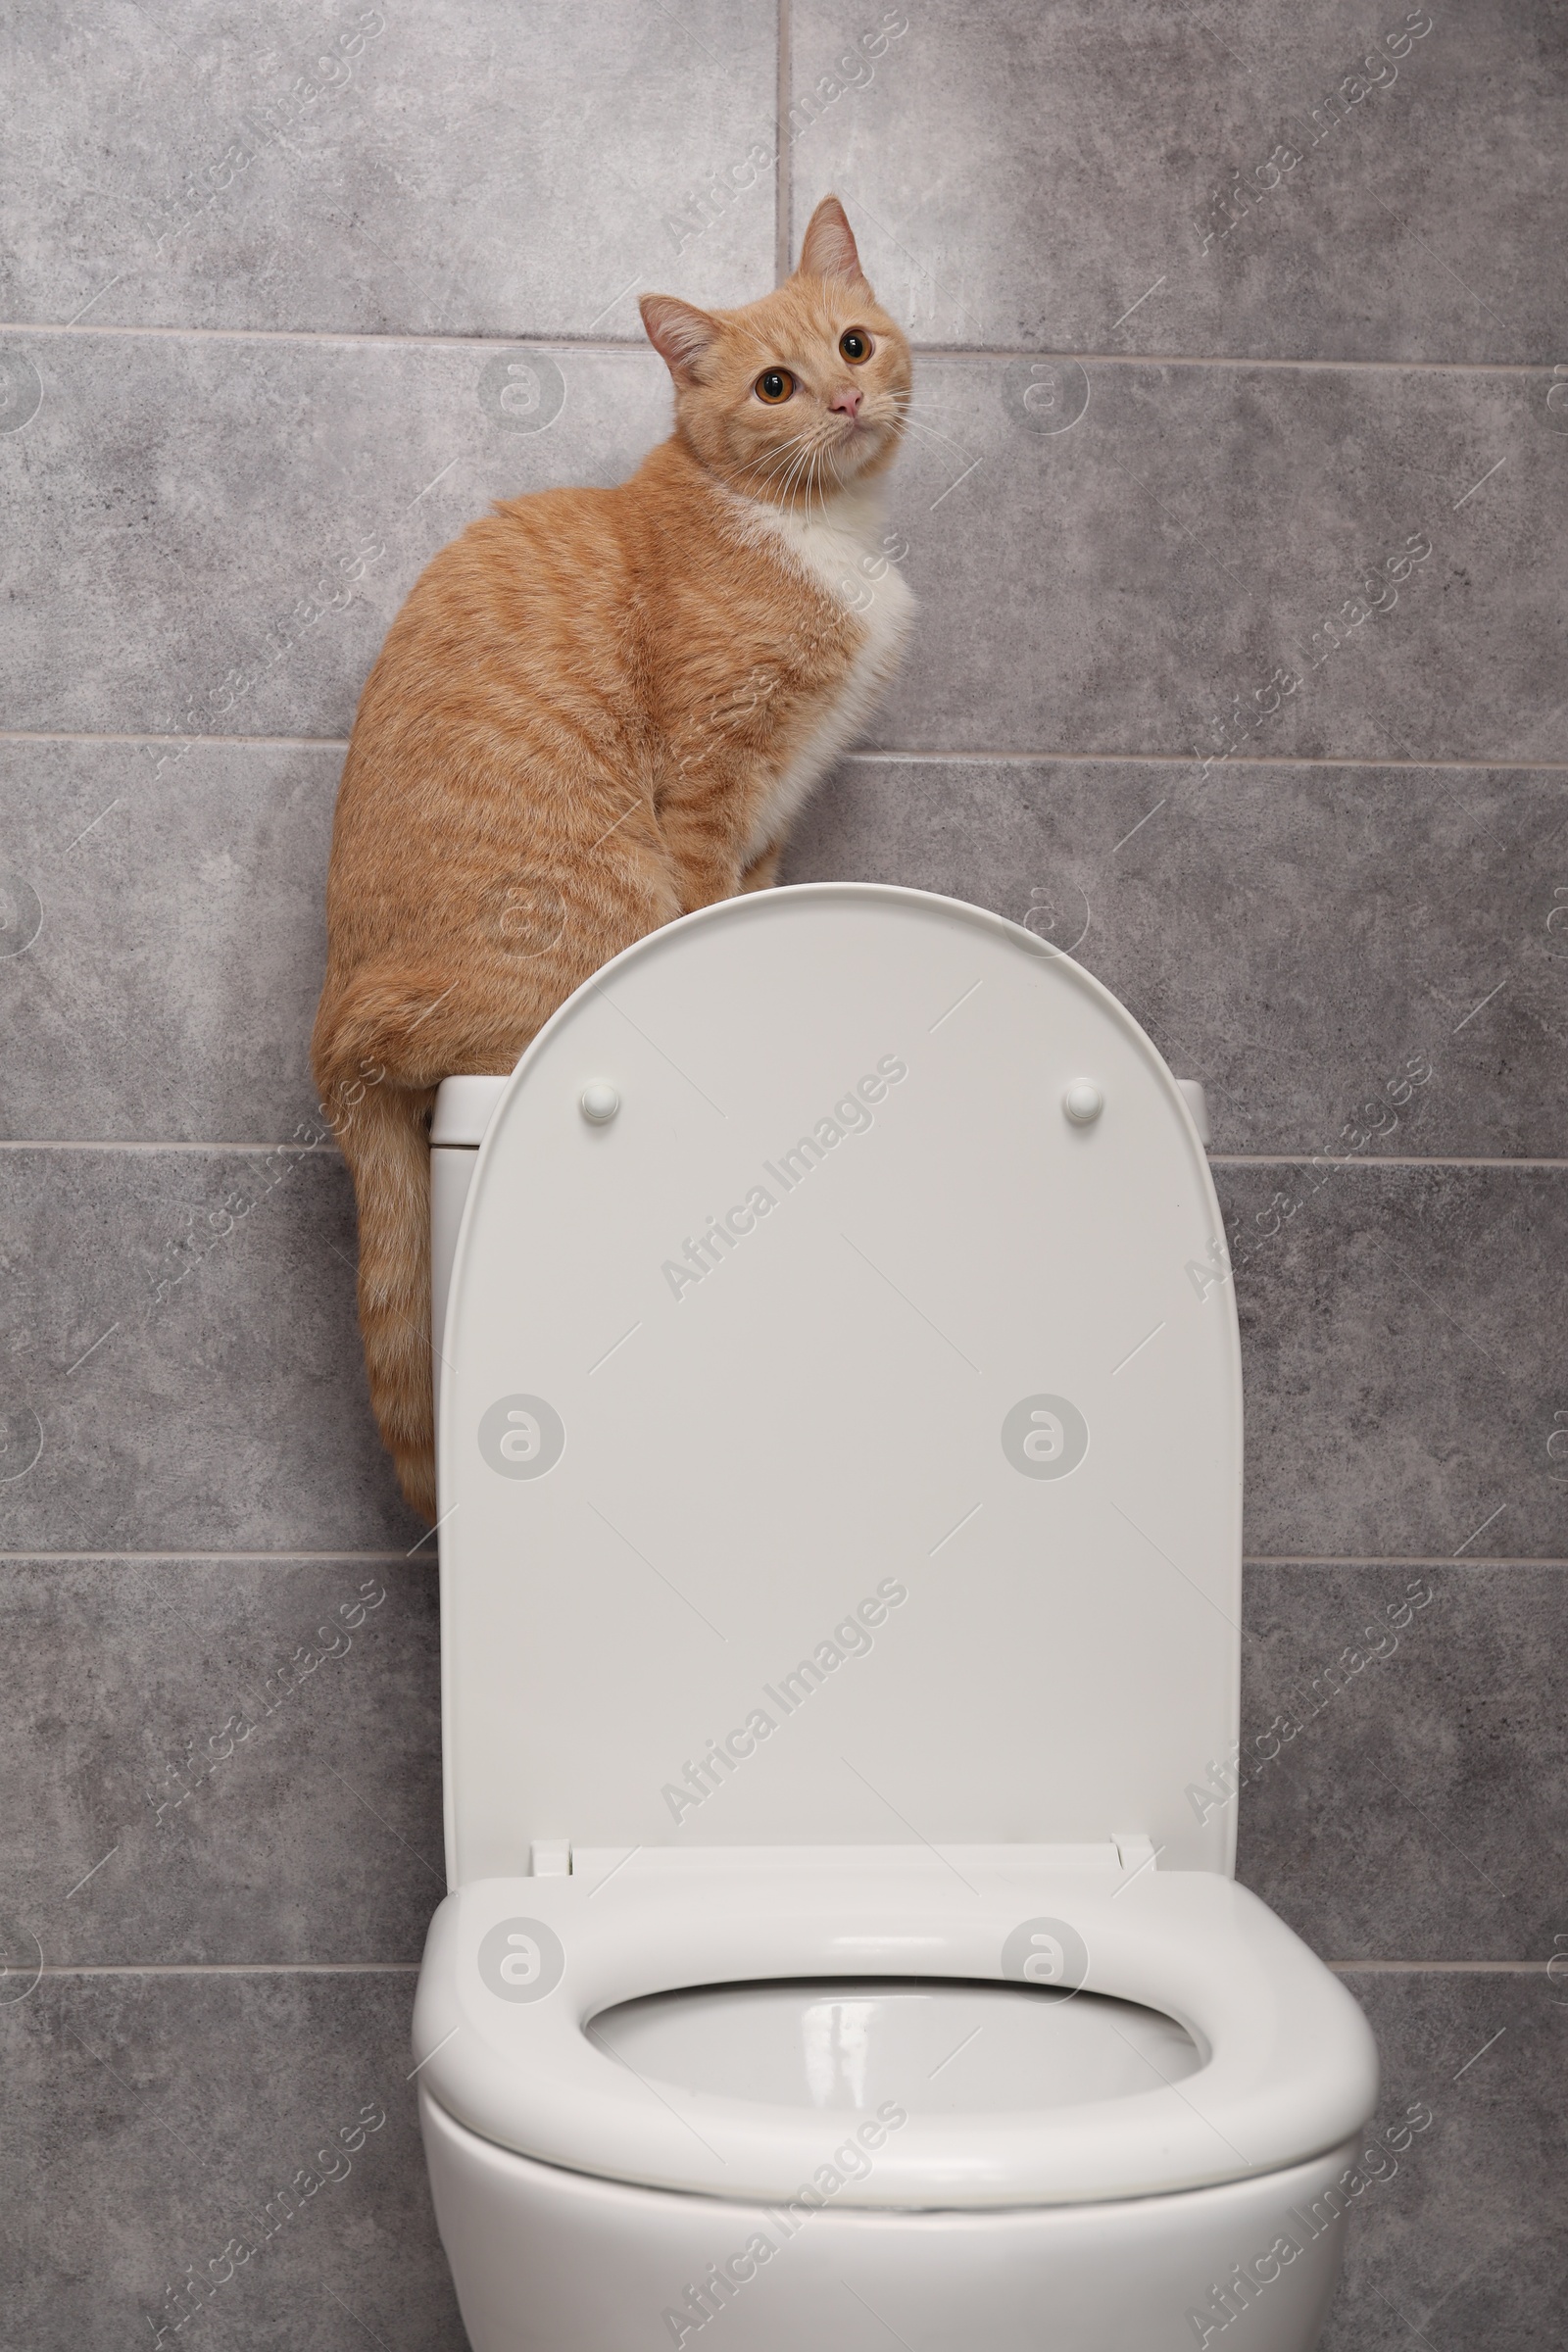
[353, 338]
[1111, 759]
[1441, 1968]
[234, 1967]
[607, 346]
[783, 176]
[341, 1559]
[1233, 359]
[1380, 1159]
[1400, 1560]
[215, 1148]
[18, 1143]
[295, 743]
[960, 758]
[292, 1559]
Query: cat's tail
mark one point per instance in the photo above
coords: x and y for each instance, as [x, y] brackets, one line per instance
[377, 1062]
[385, 1140]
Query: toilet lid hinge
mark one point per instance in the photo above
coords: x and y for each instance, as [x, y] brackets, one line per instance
[549, 1859]
[1135, 1850]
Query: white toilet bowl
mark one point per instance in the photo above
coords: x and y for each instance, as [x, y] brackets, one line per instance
[929, 1488]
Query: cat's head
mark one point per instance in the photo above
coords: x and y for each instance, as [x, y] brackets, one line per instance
[795, 396]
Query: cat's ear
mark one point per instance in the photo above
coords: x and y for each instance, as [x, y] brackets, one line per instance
[678, 332]
[828, 248]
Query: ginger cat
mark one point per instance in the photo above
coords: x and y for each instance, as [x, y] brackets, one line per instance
[599, 709]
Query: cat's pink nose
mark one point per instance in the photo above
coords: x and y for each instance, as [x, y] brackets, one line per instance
[846, 402]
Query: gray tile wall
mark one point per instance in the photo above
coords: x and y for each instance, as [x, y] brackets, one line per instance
[1237, 509]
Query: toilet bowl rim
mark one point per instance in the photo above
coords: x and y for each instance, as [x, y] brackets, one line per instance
[1287, 2063]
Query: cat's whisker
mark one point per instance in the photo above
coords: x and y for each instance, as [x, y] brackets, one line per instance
[771, 458]
[786, 464]
[919, 424]
[787, 486]
[929, 433]
[764, 485]
[776, 456]
[948, 451]
[904, 398]
[801, 480]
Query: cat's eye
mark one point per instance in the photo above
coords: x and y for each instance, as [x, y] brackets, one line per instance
[773, 385]
[855, 346]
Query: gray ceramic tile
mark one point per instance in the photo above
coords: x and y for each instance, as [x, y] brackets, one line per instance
[1405, 1758]
[151, 2119]
[1463, 2244]
[1404, 1384]
[1131, 585]
[170, 989]
[1048, 177]
[1293, 935]
[1163, 573]
[472, 167]
[222, 1760]
[1402, 1392]
[182, 1366]
[210, 536]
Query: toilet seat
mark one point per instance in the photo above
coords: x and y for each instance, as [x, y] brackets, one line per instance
[1290, 2067]
[953, 1408]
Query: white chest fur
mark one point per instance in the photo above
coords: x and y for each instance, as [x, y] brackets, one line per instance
[844, 547]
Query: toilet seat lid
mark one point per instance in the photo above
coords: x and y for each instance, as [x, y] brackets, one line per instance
[1290, 2067]
[842, 1439]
